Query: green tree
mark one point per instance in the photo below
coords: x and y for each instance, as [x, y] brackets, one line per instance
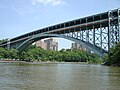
[13, 54]
[33, 53]
[4, 53]
[113, 57]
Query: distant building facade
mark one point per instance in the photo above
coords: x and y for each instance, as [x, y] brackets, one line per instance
[77, 46]
[49, 44]
[40, 44]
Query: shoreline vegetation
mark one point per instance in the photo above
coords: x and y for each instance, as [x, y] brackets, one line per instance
[41, 62]
[32, 54]
[39, 55]
[113, 57]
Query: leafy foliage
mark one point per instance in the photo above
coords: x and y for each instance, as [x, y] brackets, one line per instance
[9, 54]
[33, 53]
[4, 40]
[113, 57]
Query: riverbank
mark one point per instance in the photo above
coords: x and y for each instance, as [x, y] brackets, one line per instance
[41, 62]
[10, 61]
[113, 65]
[55, 62]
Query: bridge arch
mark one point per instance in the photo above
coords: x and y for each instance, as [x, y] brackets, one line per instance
[98, 32]
[37, 37]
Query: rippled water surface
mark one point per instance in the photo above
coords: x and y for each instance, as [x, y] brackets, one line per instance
[32, 76]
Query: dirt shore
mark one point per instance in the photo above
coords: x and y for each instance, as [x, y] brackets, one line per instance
[35, 62]
[9, 61]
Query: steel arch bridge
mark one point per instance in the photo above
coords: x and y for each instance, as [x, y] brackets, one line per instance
[98, 32]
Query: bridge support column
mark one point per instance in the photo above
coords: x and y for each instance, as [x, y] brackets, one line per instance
[113, 28]
[101, 38]
[119, 23]
[8, 44]
[109, 27]
[93, 35]
[110, 30]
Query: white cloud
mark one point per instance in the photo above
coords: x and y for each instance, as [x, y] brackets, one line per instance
[45, 2]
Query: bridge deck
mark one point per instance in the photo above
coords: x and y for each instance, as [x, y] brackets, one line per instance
[86, 23]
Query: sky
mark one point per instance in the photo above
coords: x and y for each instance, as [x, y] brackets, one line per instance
[18, 17]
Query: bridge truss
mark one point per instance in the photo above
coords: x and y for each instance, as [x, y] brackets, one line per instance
[98, 32]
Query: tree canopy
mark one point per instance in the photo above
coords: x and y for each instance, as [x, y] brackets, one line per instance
[33, 53]
[113, 57]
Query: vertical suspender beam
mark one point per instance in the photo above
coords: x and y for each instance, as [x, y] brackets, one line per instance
[101, 35]
[8, 44]
[118, 24]
[109, 27]
[93, 34]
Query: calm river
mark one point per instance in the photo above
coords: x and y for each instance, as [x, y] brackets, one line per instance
[32, 76]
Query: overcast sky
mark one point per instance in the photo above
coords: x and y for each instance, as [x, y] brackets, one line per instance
[18, 17]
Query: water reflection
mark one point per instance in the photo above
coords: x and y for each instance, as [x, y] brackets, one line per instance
[30, 76]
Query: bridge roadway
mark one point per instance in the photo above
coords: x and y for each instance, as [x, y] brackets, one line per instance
[107, 21]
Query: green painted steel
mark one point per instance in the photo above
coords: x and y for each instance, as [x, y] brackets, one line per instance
[98, 32]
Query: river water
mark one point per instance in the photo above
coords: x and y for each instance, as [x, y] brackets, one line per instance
[34, 76]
